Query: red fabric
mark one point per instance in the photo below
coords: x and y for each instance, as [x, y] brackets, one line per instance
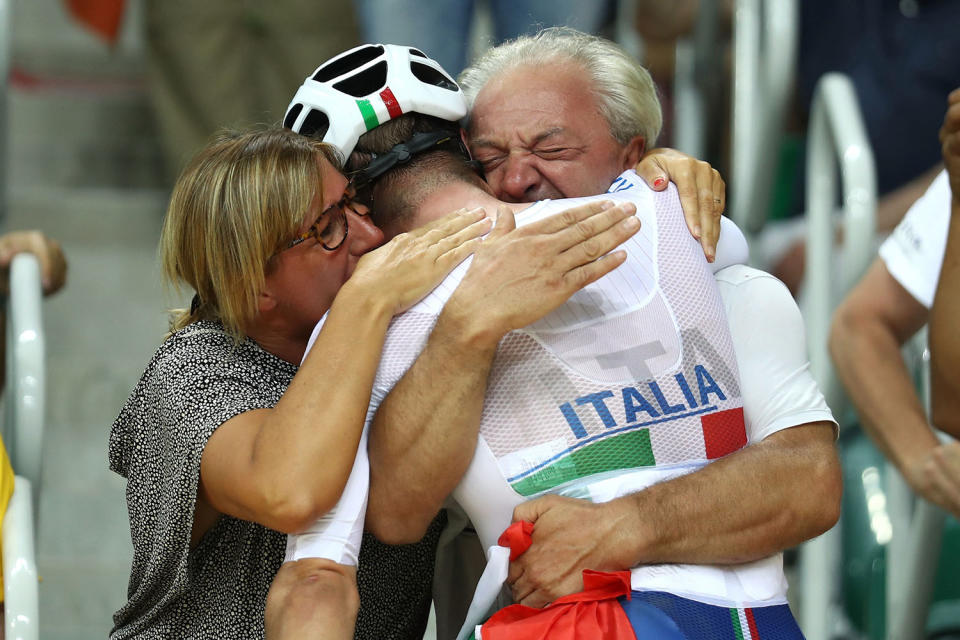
[589, 614]
[723, 432]
[103, 17]
[517, 538]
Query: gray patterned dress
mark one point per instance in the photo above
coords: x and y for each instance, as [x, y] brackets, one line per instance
[197, 380]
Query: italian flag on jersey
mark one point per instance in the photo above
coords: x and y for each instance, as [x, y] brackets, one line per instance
[369, 109]
[744, 626]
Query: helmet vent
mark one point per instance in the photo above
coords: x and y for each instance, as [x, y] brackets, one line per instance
[291, 116]
[429, 75]
[349, 62]
[417, 52]
[315, 124]
[368, 81]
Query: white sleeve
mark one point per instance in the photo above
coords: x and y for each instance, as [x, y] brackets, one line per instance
[914, 251]
[337, 534]
[770, 344]
[731, 247]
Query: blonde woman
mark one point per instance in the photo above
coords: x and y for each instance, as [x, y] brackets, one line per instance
[225, 444]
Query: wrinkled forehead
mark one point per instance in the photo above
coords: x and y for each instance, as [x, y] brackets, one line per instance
[537, 97]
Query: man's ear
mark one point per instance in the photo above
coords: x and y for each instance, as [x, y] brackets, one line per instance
[631, 154]
[466, 141]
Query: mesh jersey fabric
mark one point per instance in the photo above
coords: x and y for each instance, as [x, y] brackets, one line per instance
[699, 621]
[778, 393]
[632, 291]
[635, 370]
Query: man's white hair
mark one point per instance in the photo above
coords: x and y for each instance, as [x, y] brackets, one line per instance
[626, 94]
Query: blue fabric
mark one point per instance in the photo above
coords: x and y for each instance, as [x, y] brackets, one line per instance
[780, 618]
[650, 622]
[656, 614]
[903, 65]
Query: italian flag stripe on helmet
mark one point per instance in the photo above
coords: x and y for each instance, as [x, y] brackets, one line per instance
[370, 118]
[369, 115]
[393, 107]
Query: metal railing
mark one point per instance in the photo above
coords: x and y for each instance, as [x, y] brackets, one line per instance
[765, 53]
[20, 581]
[26, 375]
[23, 436]
[697, 77]
[836, 134]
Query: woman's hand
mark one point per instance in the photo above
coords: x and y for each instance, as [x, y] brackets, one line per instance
[702, 191]
[413, 263]
[520, 275]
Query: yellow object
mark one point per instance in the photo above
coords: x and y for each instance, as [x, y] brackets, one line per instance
[6, 490]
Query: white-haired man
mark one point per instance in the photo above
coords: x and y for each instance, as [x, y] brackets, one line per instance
[544, 123]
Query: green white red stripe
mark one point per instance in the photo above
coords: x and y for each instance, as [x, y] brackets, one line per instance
[369, 111]
[744, 626]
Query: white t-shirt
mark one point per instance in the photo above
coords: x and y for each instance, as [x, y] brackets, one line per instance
[913, 254]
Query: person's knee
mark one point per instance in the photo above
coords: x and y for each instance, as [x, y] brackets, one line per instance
[312, 598]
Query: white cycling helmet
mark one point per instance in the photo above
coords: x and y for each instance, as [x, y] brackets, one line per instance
[367, 86]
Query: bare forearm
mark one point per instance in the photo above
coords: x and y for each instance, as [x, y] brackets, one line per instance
[746, 506]
[870, 366]
[425, 432]
[306, 444]
[944, 337]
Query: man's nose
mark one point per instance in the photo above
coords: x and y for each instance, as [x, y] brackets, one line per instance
[520, 179]
[363, 234]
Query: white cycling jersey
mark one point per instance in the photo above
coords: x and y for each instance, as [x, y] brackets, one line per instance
[631, 382]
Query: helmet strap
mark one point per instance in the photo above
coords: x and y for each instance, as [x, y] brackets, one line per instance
[402, 153]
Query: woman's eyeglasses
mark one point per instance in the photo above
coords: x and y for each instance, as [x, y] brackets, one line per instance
[332, 234]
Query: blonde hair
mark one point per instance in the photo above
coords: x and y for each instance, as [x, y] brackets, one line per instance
[626, 95]
[234, 206]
